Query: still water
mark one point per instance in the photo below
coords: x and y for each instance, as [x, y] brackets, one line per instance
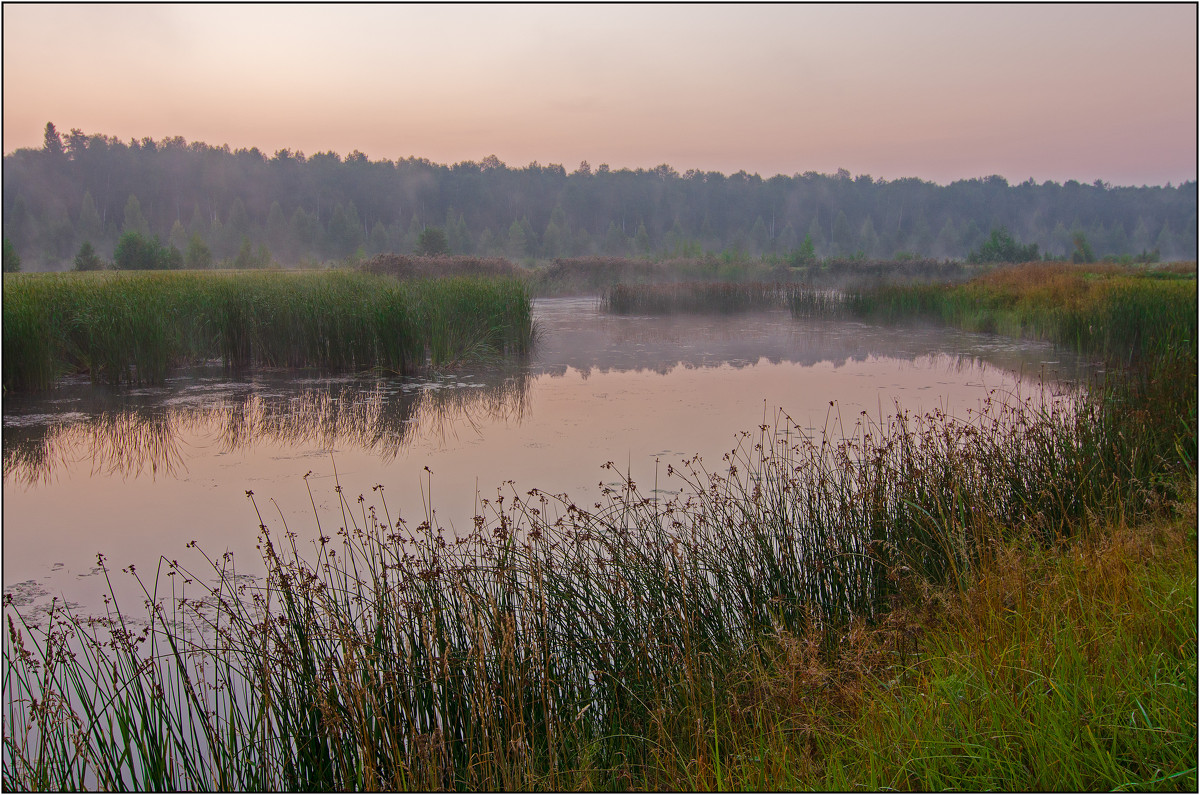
[136, 473]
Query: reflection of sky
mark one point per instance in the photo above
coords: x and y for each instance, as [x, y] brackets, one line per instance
[136, 472]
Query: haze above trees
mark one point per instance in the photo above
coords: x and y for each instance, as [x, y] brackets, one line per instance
[212, 204]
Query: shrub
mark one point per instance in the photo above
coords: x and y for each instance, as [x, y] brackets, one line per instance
[136, 252]
[87, 259]
[1001, 247]
[432, 242]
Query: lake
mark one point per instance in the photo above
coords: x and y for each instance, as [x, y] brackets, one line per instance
[136, 473]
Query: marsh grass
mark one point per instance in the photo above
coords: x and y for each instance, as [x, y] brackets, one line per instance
[911, 601]
[1109, 310]
[1144, 327]
[593, 275]
[573, 275]
[626, 299]
[135, 327]
[409, 267]
[1070, 667]
[558, 646]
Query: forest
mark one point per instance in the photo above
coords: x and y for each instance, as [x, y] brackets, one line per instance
[69, 203]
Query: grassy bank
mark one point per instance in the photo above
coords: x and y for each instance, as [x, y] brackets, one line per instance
[1071, 668]
[1001, 601]
[1142, 322]
[1098, 309]
[135, 327]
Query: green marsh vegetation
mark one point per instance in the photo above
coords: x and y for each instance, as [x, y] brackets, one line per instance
[407, 267]
[626, 299]
[135, 327]
[597, 274]
[1005, 600]
[1095, 308]
[701, 286]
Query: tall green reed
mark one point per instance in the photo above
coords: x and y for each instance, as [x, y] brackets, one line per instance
[134, 328]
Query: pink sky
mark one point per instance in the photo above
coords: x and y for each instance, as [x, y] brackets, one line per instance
[941, 92]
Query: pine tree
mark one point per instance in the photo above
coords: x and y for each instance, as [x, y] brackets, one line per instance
[868, 240]
[52, 142]
[86, 259]
[843, 236]
[641, 240]
[90, 227]
[134, 220]
[197, 254]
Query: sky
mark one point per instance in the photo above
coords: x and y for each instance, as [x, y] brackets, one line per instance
[939, 92]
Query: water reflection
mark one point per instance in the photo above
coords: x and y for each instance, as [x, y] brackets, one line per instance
[134, 437]
[576, 335]
[141, 432]
[134, 472]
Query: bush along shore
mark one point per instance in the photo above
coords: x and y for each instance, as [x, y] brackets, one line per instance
[1003, 601]
[135, 327]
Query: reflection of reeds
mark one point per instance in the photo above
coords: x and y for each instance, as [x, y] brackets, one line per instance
[552, 646]
[131, 441]
[124, 443]
[806, 302]
[133, 327]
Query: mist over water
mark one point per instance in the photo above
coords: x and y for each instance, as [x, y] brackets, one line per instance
[135, 473]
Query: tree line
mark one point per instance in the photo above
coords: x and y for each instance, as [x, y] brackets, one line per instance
[203, 205]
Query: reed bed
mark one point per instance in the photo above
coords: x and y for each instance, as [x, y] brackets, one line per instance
[556, 646]
[596, 274]
[616, 645]
[1095, 309]
[134, 328]
[1142, 322]
[653, 299]
[409, 266]
[842, 272]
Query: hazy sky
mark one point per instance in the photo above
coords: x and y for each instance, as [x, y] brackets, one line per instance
[941, 92]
